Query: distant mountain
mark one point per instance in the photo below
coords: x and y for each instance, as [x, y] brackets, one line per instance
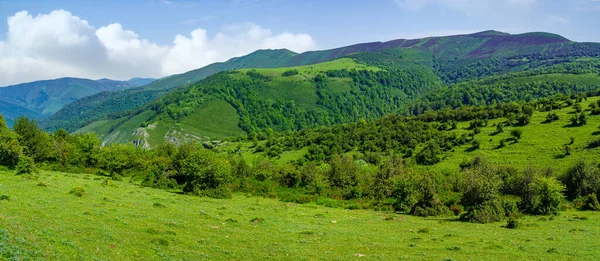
[42, 98]
[452, 58]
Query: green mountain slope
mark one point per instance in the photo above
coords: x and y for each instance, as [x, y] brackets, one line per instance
[47, 97]
[253, 101]
[266, 100]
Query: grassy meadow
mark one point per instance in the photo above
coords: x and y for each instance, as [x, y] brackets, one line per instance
[41, 220]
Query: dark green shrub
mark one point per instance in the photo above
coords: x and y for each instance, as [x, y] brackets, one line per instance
[516, 133]
[481, 186]
[430, 155]
[26, 166]
[4, 197]
[428, 203]
[404, 193]
[590, 202]
[513, 222]
[551, 117]
[581, 180]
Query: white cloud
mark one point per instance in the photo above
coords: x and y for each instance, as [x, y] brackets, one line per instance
[60, 44]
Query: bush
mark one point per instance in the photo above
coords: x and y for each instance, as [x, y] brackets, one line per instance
[590, 202]
[543, 196]
[290, 73]
[428, 203]
[552, 116]
[26, 166]
[206, 174]
[513, 222]
[78, 191]
[481, 193]
[516, 133]
[581, 179]
[430, 155]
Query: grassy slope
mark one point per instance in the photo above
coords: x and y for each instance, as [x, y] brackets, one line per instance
[541, 145]
[120, 222]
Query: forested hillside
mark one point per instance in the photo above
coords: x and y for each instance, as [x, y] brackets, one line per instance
[453, 59]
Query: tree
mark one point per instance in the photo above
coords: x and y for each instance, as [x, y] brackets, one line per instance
[33, 139]
[61, 147]
[10, 149]
[343, 172]
[542, 196]
[430, 155]
[206, 174]
[85, 149]
[481, 193]
[116, 158]
[581, 179]
[516, 133]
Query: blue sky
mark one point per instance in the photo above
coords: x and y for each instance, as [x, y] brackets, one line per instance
[155, 38]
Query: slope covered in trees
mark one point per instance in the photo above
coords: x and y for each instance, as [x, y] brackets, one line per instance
[453, 58]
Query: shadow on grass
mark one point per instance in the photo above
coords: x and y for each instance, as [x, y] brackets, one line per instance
[495, 133]
[596, 133]
[471, 149]
[560, 156]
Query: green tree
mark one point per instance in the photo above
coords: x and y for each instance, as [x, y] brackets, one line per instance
[10, 149]
[35, 142]
[206, 174]
[85, 149]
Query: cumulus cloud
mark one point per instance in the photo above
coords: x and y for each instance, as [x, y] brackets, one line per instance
[59, 44]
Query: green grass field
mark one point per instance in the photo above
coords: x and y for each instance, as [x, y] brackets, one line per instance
[122, 221]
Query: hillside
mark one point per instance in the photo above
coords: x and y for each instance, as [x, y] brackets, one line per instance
[253, 101]
[260, 101]
[49, 96]
[484, 54]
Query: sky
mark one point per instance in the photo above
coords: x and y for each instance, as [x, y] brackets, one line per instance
[156, 38]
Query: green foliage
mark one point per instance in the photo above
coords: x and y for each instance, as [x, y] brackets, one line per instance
[10, 149]
[35, 142]
[430, 155]
[206, 174]
[481, 193]
[343, 174]
[590, 202]
[543, 196]
[516, 133]
[551, 117]
[289, 73]
[78, 191]
[428, 203]
[581, 179]
[26, 166]
[117, 158]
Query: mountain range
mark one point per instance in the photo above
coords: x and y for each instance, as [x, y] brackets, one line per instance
[278, 90]
[44, 98]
